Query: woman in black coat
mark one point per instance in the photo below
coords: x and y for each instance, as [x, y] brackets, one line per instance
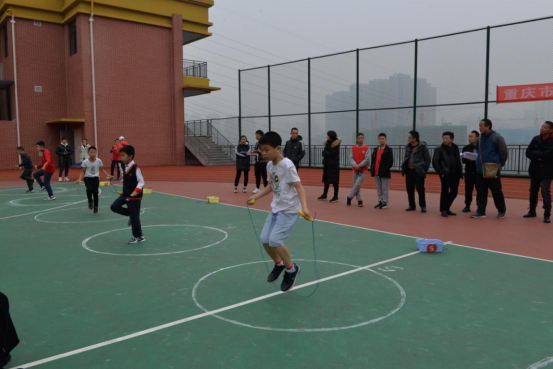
[65, 153]
[242, 162]
[331, 165]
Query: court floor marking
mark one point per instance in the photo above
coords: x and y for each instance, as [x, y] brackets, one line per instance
[202, 315]
[374, 230]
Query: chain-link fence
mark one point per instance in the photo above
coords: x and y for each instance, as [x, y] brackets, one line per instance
[432, 85]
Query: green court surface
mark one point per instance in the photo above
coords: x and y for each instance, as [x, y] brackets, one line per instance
[73, 282]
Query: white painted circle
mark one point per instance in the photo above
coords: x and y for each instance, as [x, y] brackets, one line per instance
[9, 190]
[37, 217]
[303, 330]
[85, 242]
[15, 202]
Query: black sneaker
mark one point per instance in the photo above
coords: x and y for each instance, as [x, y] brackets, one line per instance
[423, 210]
[137, 240]
[322, 198]
[129, 223]
[466, 209]
[378, 206]
[95, 210]
[334, 199]
[348, 201]
[384, 205]
[30, 191]
[410, 209]
[501, 215]
[547, 218]
[449, 212]
[530, 214]
[276, 273]
[478, 216]
[360, 204]
[90, 206]
[42, 189]
[290, 279]
[444, 214]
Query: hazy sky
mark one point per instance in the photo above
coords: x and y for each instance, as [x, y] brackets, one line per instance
[250, 33]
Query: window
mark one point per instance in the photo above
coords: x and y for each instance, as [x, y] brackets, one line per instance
[72, 38]
[6, 46]
[5, 104]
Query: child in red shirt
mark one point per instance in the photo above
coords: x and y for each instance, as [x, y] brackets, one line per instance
[46, 169]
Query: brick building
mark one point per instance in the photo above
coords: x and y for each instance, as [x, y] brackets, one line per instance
[98, 69]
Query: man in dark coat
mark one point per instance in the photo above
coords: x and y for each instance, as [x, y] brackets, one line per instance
[65, 152]
[414, 168]
[8, 335]
[294, 148]
[447, 163]
[381, 164]
[540, 152]
[470, 169]
[331, 165]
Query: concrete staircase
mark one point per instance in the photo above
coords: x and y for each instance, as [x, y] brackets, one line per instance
[210, 148]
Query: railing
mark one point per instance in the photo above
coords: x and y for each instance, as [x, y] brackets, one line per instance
[196, 146]
[192, 68]
[204, 128]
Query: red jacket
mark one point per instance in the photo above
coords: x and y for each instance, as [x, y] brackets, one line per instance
[115, 156]
[359, 154]
[119, 147]
[47, 163]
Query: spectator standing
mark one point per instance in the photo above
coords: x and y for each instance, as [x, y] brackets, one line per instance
[294, 148]
[470, 169]
[414, 168]
[331, 165]
[381, 165]
[447, 163]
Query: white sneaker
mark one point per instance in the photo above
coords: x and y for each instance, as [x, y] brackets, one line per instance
[59, 180]
[50, 198]
[245, 190]
[66, 179]
[235, 189]
[256, 190]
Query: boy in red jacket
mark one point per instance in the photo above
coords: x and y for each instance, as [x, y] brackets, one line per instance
[46, 169]
[116, 158]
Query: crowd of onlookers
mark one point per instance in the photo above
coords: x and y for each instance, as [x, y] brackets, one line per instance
[479, 163]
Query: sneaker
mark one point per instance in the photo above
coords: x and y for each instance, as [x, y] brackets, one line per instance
[42, 189]
[384, 205]
[423, 210]
[245, 190]
[95, 210]
[290, 279]
[547, 218]
[348, 203]
[90, 205]
[410, 209]
[30, 191]
[360, 204]
[334, 199]
[449, 212]
[137, 240]
[501, 215]
[444, 214]
[59, 180]
[322, 198]
[256, 190]
[129, 223]
[466, 209]
[66, 179]
[50, 198]
[276, 273]
[235, 189]
[378, 206]
[34, 181]
[530, 214]
[478, 216]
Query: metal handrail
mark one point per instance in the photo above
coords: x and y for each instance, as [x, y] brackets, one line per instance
[204, 128]
[196, 146]
[192, 68]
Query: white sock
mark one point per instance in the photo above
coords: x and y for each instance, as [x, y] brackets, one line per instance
[291, 270]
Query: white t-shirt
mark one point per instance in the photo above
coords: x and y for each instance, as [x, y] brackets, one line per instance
[282, 177]
[92, 169]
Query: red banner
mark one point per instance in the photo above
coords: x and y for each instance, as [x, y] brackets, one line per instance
[521, 93]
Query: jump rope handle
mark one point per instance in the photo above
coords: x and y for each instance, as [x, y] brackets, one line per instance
[251, 202]
[300, 212]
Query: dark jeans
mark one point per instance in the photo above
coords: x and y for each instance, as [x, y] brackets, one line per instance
[116, 164]
[132, 211]
[450, 188]
[261, 172]
[414, 181]
[336, 188]
[470, 183]
[545, 184]
[482, 187]
[8, 335]
[92, 185]
[46, 183]
[27, 177]
[237, 178]
[66, 167]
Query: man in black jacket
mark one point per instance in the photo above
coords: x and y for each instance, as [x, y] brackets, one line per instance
[540, 152]
[447, 163]
[414, 167]
[470, 169]
[8, 335]
[65, 152]
[294, 149]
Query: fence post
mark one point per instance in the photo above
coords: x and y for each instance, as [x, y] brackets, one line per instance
[309, 107]
[415, 86]
[239, 103]
[269, 93]
[357, 97]
[486, 99]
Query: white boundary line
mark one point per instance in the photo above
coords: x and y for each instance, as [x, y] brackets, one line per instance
[542, 363]
[199, 316]
[375, 230]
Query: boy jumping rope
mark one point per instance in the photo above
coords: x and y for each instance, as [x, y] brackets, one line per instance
[91, 172]
[46, 168]
[27, 165]
[288, 199]
[133, 183]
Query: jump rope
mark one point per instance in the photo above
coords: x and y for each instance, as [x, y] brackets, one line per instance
[315, 263]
